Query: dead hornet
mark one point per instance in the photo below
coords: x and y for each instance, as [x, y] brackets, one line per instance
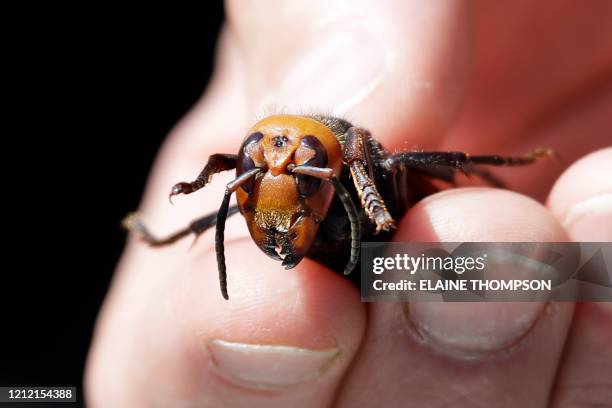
[287, 171]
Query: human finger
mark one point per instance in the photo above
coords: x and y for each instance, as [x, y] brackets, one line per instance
[465, 354]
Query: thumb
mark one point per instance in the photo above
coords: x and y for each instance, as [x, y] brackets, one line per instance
[164, 316]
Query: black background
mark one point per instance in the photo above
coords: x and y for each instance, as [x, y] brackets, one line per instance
[96, 93]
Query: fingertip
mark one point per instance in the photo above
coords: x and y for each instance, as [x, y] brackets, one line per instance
[587, 177]
[315, 296]
[479, 214]
[582, 197]
[473, 215]
[279, 329]
[468, 340]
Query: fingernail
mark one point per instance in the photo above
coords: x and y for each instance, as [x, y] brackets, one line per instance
[591, 219]
[264, 365]
[334, 74]
[471, 330]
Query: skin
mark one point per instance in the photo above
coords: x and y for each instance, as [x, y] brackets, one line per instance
[484, 77]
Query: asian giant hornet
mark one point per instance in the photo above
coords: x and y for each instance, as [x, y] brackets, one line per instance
[293, 187]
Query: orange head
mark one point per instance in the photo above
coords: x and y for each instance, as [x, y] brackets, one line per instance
[283, 209]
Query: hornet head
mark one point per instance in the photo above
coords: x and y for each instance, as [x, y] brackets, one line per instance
[284, 203]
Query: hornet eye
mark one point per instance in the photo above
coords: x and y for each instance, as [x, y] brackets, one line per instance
[245, 162]
[307, 185]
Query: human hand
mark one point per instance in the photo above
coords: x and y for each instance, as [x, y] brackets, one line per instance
[487, 77]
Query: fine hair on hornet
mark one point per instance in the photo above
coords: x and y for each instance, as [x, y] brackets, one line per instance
[315, 186]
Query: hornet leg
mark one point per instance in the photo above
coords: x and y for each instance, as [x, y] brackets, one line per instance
[356, 157]
[216, 164]
[459, 160]
[197, 227]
